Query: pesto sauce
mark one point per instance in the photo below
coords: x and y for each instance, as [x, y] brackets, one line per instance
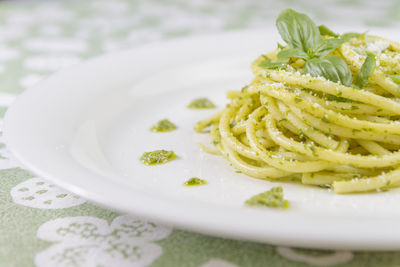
[297, 99]
[163, 126]
[272, 198]
[195, 181]
[158, 157]
[339, 99]
[201, 103]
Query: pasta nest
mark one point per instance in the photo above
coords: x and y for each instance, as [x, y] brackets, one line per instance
[289, 126]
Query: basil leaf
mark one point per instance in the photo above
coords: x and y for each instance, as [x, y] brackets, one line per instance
[395, 78]
[323, 30]
[293, 52]
[324, 47]
[367, 69]
[275, 65]
[298, 30]
[349, 35]
[334, 69]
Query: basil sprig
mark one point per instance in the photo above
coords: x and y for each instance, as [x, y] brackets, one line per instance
[367, 69]
[303, 36]
[305, 41]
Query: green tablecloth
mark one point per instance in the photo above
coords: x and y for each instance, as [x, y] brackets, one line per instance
[43, 225]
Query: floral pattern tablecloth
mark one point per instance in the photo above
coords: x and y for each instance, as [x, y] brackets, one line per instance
[43, 225]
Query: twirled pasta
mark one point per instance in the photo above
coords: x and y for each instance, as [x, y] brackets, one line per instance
[289, 125]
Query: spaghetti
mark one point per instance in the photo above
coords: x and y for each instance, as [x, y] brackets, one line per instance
[290, 124]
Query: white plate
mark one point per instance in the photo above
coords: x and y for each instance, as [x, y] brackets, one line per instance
[85, 129]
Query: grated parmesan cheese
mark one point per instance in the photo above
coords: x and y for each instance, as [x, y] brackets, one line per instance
[377, 47]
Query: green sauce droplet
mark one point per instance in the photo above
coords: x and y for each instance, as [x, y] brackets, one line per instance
[163, 126]
[195, 181]
[272, 198]
[158, 157]
[201, 103]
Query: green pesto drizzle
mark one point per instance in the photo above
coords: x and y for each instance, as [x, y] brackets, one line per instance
[195, 181]
[272, 198]
[201, 103]
[158, 157]
[163, 126]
